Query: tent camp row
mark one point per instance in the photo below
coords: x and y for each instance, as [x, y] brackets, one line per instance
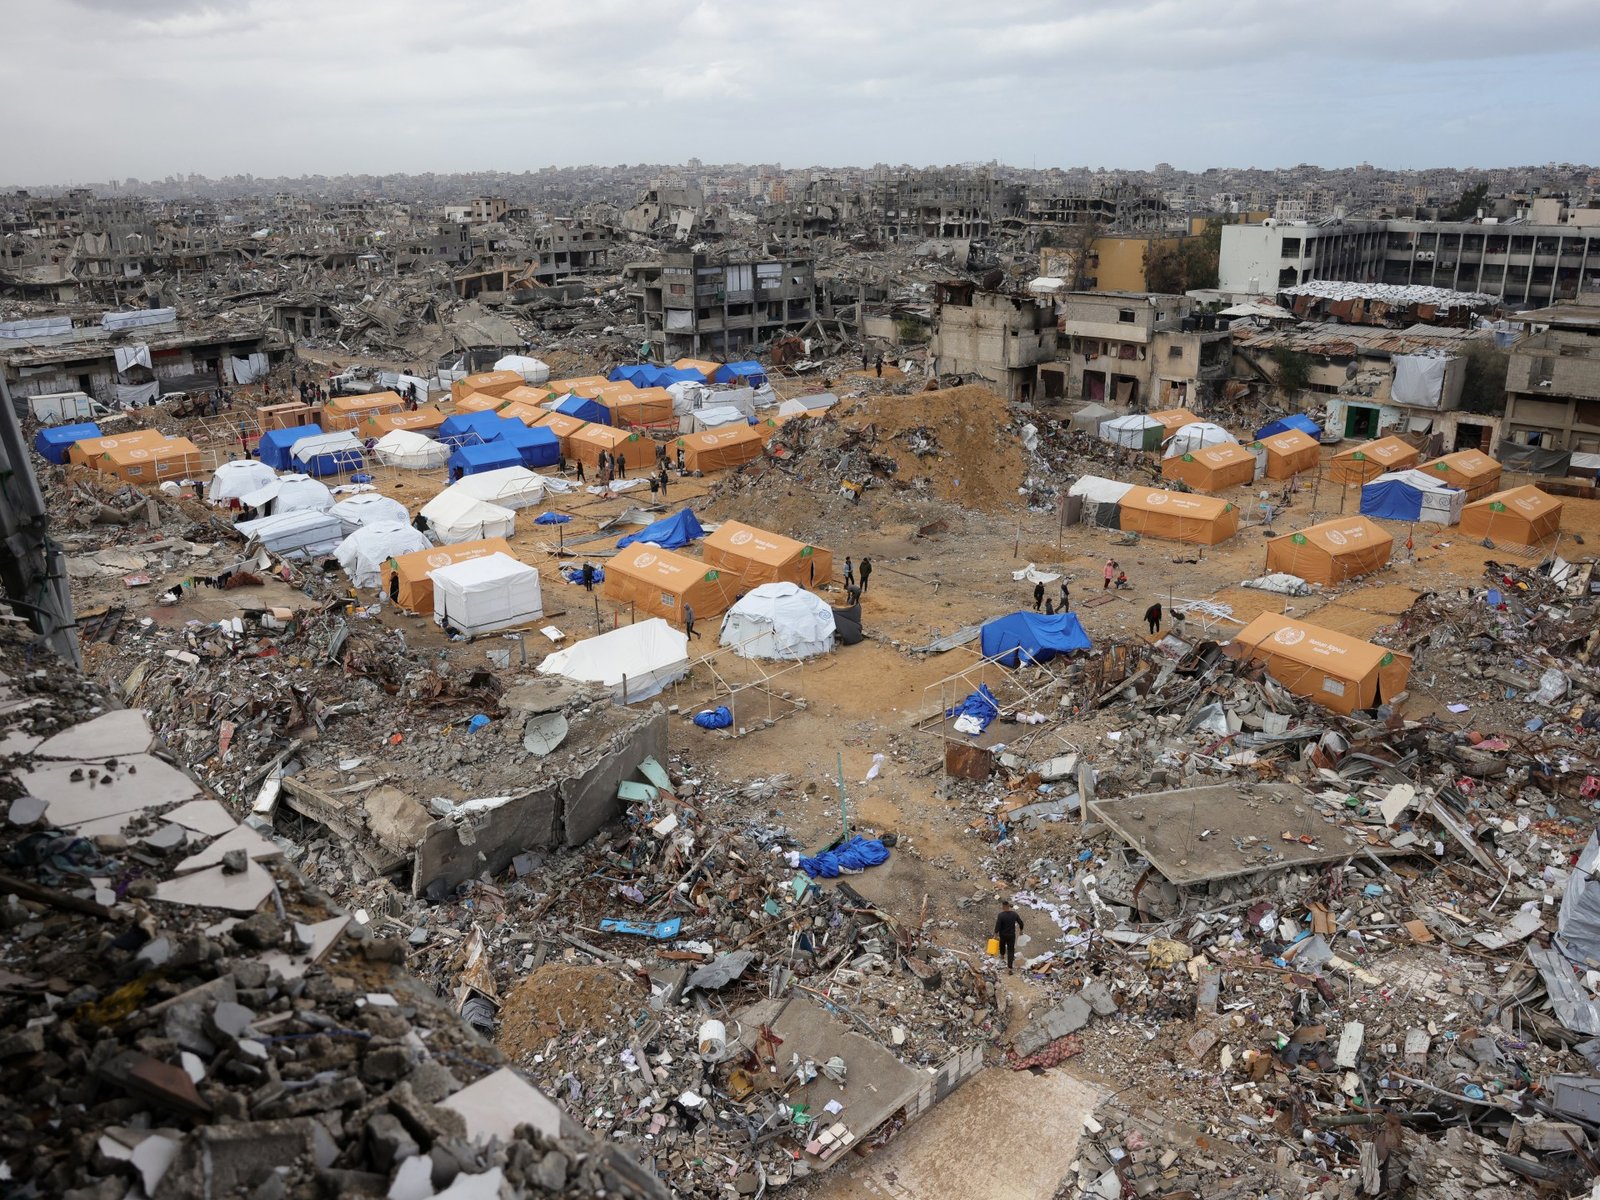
[310, 450]
[139, 456]
[1175, 516]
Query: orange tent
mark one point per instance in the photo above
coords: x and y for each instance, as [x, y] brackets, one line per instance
[88, 452]
[1332, 551]
[1473, 471]
[1177, 516]
[639, 406]
[564, 427]
[769, 426]
[704, 366]
[170, 458]
[1212, 469]
[528, 414]
[426, 417]
[1522, 516]
[560, 387]
[1288, 453]
[526, 394]
[284, 416]
[587, 443]
[659, 583]
[474, 402]
[1337, 671]
[496, 383]
[416, 588]
[716, 449]
[758, 556]
[1174, 419]
[1371, 459]
[346, 412]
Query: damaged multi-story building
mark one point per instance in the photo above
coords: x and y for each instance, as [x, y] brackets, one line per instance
[1553, 379]
[998, 337]
[694, 303]
[1137, 351]
[941, 205]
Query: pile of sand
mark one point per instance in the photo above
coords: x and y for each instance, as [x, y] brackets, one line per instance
[561, 996]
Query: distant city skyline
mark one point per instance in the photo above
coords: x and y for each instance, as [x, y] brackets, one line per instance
[290, 88]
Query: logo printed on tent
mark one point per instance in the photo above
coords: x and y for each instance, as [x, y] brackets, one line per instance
[1359, 456]
[1337, 538]
[1298, 539]
[1158, 497]
[743, 536]
[1188, 458]
[645, 560]
[1289, 637]
[138, 452]
[1497, 506]
[1386, 660]
[438, 560]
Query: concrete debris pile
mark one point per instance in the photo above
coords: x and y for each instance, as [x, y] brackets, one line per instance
[181, 1015]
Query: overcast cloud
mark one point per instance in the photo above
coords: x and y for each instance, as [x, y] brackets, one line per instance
[148, 88]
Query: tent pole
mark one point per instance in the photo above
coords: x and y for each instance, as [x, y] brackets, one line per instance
[844, 815]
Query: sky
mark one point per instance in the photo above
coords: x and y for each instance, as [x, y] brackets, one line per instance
[148, 88]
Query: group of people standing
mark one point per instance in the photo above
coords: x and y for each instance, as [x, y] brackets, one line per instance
[1114, 576]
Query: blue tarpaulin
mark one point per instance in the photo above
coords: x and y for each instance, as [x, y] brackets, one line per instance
[53, 444]
[1032, 637]
[857, 854]
[275, 443]
[634, 373]
[1293, 421]
[714, 718]
[551, 518]
[742, 374]
[667, 376]
[575, 574]
[585, 410]
[537, 446]
[466, 428]
[1391, 500]
[981, 706]
[472, 460]
[669, 533]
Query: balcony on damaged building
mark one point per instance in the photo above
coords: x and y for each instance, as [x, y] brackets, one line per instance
[1137, 351]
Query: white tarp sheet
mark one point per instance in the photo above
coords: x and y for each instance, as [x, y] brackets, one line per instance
[135, 354]
[130, 395]
[363, 553]
[455, 517]
[796, 405]
[509, 487]
[1032, 574]
[248, 370]
[779, 620]
[1419, 379]
[411, 450]
[714, 417]
[402, 385]
[1128, 431]
[290, 493]
[318, 444]
[634, 661]
[140, 316]
[35, 327]
[237, 479]
[369, 508]
[481, 595]
[1196, 436]
[295, 534]
[1088, 418]
[531, 369]
[1098, 490]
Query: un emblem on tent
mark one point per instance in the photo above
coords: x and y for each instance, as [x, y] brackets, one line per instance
[645, 560]
[439, 560]
[743, 536]
[1337, 538]
[1289, 637]
[1158, 497]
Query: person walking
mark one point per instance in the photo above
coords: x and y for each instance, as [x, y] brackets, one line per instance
[1065, 605]
[879, 366]
[866, 572]
[680, 458]
[1152, 616]
[622, 466]
[580, 470]
[1109, 572]
[663, 478]
[1005, 928]
[1038, 595]
[849, 572]
[586, 577]
[688, 621]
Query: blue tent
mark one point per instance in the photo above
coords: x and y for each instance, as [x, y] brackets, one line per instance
[744, 374]
[275, 443]
[539, 447]
[1032, 636]
[667, 376]
[669, 533]
[1411, 496]
[334, 462]
[585, 410]
[472, 460]
[54, 443]
[463, 428]
[1293, 421]
[634, 373]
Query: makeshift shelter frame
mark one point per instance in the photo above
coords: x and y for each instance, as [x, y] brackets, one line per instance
[956, 687]
[725, 691]
[221, 437]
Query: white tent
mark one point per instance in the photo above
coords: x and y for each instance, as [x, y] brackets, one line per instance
[364, 552]
[779, 620]
[318, 444]
[1088, 418]
[1130, 431]
[509, 487]
[1096, 489]
[634, 661]
[456, 517]
[367, 508]
[412, 450]
[290, 493]
[820, 402]
[713, 417]
[531, 369]
[1196, 436]
[235, 480]
[480, 595]
[295, 534]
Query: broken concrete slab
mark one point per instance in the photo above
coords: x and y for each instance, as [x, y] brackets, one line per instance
[1067, 1017]
[206, 817]
[122, 731]
[241, 838]
[213, 887]
[77, 793]
[495, 1105]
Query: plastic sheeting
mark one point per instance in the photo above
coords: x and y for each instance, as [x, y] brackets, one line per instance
[669, 533]
[1419, 379]
[981, 708]
[114, 321]
[857, 854]
[1197, 436]
[531, 369]
[1578, 926]
[509, 487]
[248, 370]
[327, 453]
[136, 354]
[290, 493]
[1533, 460]
[778, 621]
[295, 534]
[410, 451]
[1412, 496]
[237, 479]
[1033, 636]
[364, 552]
[1293, 421]
[135, 395]
[634, 662]
[369, 508]
[481, 595]
[1096, 489]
